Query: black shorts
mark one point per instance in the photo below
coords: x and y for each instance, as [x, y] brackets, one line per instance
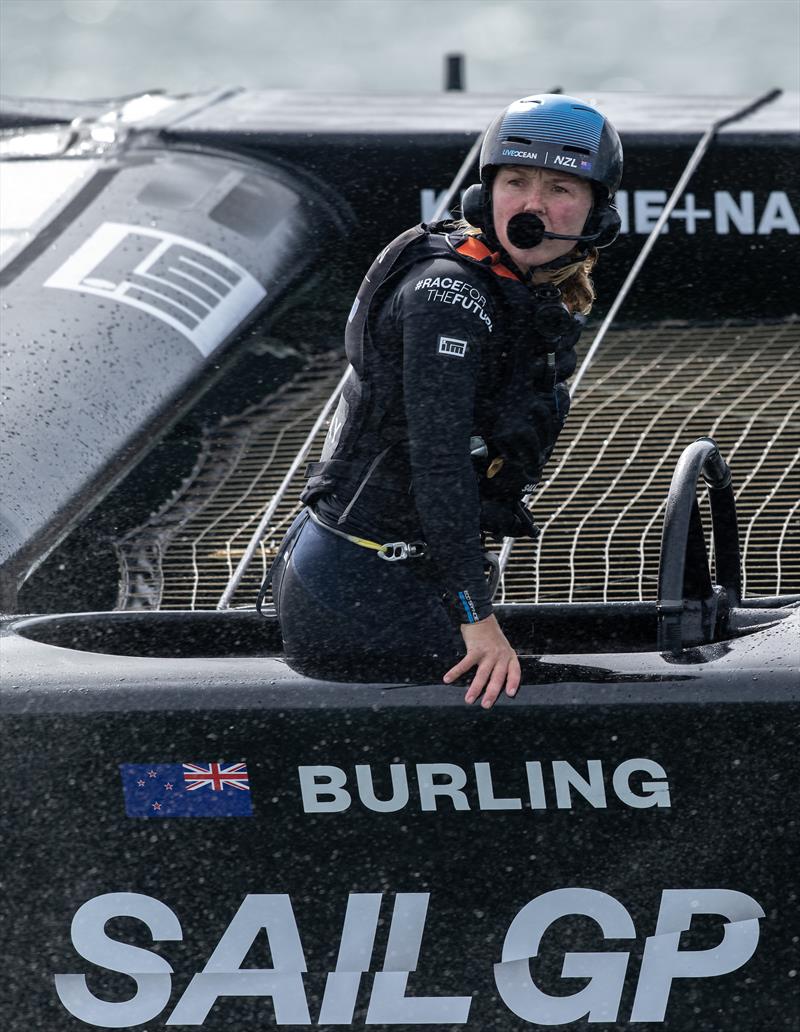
[348, 615]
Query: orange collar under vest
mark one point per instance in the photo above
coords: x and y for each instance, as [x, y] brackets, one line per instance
[479, 252]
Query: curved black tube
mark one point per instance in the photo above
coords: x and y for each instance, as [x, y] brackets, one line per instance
[680, 581]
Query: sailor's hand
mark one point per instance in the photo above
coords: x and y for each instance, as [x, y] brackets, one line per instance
[509, 518]
[498, 667]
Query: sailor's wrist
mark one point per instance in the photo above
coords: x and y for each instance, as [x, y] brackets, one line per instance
[472, 607]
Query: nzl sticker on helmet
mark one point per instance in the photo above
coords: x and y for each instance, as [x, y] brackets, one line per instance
[196, 290]
[452, 346]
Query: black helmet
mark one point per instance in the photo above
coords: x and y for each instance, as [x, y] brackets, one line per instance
[550, 130]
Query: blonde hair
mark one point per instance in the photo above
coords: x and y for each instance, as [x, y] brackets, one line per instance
[574, 280]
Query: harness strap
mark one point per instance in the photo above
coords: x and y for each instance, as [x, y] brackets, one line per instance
[372, 467]
[392, 551]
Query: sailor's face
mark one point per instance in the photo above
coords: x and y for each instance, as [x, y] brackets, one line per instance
[560, 200]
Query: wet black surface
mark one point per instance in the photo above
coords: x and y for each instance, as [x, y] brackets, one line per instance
[622, 775]
[729, 825]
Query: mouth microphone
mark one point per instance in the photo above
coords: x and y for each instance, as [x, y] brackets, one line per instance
[527, 230]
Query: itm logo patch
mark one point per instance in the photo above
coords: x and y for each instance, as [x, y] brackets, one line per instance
[452, 346]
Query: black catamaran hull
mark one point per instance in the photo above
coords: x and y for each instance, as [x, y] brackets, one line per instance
[639, 833]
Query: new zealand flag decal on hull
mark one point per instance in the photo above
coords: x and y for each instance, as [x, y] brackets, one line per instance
[186, 789]
[194, 289]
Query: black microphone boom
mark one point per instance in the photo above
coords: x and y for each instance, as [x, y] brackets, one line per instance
[526, 230]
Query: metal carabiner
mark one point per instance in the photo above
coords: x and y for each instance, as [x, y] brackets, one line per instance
[395, 551]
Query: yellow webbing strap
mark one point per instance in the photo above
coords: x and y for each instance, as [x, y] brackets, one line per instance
[364, 542]
[391, 551]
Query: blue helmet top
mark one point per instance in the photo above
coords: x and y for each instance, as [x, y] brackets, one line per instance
[550, 130]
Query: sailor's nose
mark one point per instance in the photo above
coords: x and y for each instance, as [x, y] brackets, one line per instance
[534, 199]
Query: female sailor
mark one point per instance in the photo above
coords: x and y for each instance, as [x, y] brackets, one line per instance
[460, 342]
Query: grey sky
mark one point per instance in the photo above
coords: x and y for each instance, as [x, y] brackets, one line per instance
[99, 48]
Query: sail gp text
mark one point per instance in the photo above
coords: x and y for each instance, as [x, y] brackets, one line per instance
[386, 983]
[374, 973]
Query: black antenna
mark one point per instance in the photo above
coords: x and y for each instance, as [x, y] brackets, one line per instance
[454, 72]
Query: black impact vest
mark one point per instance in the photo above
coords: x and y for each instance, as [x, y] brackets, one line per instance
[367, 432]
[443, 350]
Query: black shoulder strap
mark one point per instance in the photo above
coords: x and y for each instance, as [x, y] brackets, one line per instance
[378, 272]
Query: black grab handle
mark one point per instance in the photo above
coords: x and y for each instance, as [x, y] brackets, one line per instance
[681, 581]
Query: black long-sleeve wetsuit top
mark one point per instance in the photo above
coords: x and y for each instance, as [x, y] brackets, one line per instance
[450, 355]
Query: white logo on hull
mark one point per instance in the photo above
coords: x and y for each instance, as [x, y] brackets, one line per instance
[392, 1000]
[194, 289]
